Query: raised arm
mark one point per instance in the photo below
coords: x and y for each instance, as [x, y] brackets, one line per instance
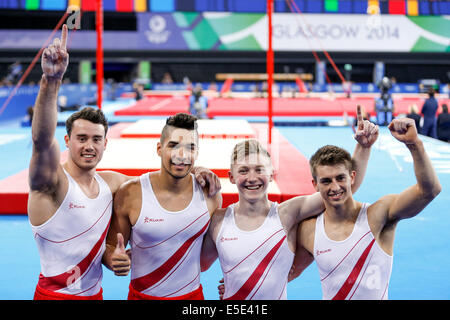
[415, 198]
[44, 171]
[366, 134]
[45, 157]
[311, 205]
[46, 154]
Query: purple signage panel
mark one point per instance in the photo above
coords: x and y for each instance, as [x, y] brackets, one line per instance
[159, 31]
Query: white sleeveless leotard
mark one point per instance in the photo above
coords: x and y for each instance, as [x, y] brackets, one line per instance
[255, 263]
[166, 245]
[354, 268]
[72, 242]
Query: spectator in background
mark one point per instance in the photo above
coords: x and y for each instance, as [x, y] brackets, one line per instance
[15, 71]
[385, 104]
[263, 89]
[30, 112]
[167, 78]
[111, 89]
[393, 80]
[255, 91]
[443, 124]
[347, 88]
[139, 90]
[212, 86]
[429, 109]
[412, 114]
[198, 103]
[64, 106]
[187, 82]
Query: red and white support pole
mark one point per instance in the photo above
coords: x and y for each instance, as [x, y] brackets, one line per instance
[269, 61]
[99, 64]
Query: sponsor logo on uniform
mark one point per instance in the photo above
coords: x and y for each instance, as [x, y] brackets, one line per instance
[319, 252]
[75, 206]
[148, 220]
[223, 239]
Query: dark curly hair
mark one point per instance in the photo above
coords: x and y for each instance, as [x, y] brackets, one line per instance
[91, 114]
[180, 120]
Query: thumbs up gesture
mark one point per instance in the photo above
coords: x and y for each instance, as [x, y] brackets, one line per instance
[121, 262]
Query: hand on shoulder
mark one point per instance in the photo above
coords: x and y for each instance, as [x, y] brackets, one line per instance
[114, 179]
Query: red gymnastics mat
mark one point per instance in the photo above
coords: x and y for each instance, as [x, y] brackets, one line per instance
[292, 175]
[165, 106]
[314, 106]
[207, 129]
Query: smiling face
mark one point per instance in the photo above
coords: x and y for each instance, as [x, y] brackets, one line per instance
[333, 174]
[178, 151]
[334, 182]
[252, 174]
[86, 143]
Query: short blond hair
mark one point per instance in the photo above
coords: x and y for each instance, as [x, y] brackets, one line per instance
[246, 148]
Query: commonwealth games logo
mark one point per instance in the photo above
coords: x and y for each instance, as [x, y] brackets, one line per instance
[157, 33]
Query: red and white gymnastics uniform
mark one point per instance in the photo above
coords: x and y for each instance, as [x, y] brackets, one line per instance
[71, 245]
[354, 268]
[256, 263]
[166, 247]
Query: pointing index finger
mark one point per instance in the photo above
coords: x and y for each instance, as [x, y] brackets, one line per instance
[64, 36]
[359, 116]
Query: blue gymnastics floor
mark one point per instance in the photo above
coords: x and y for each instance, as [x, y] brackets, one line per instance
[421, 254]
